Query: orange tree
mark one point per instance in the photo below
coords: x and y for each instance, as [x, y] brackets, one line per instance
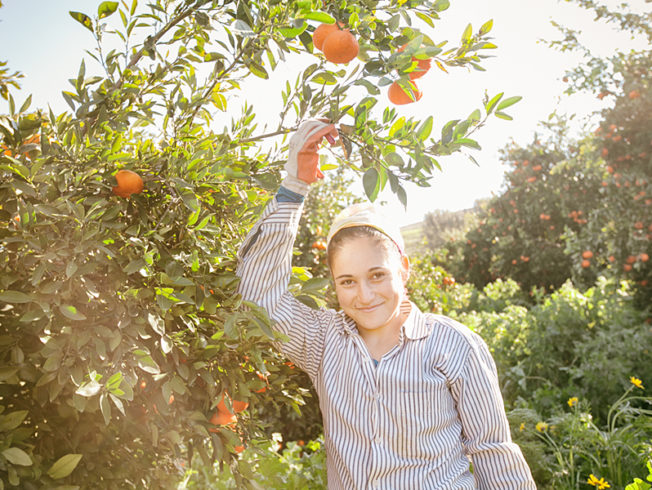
[549, 190]
[577, 209]
[120, 325]
[620, 229]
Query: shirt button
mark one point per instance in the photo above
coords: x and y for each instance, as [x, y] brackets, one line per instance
[377, 439]
[375, 484]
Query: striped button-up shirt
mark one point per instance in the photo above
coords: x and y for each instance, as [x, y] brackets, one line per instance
[414, 420]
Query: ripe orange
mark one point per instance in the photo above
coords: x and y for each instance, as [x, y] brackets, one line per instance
[587, 254]
[128, 183]
[238, 406]
[222, 418]
[634, 94]
[644, 257]
[586, 263]
[322, 32]
[340, 47]
[398, 96]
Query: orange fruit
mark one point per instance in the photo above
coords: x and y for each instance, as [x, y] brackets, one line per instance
[586, 263]
[322, 32]
[222, 418]
[128, 183]
[644, 257]
[398, 96]
[587, 254]
[238, 406]
[340, 47]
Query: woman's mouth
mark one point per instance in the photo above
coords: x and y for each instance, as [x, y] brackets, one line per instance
[367, 309]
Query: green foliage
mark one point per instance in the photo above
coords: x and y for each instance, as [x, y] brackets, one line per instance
[612, 451]
[566, 345]
[120, 325]
[300, 465]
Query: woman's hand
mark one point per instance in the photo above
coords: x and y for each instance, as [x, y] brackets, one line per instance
[302, 165]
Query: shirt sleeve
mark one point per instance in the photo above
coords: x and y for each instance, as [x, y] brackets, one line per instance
[264, 268]
[498, 463]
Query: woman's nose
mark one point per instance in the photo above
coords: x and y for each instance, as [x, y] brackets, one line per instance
[365, 292]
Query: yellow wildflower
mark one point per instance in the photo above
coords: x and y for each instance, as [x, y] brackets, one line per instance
[601, 483]
[636, 382]
[542, 426]
[572, 401]
[522, 427]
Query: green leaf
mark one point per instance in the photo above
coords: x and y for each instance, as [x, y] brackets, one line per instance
[508, 102]
[318, 16]
[69, 311]
[12, 420]
[466, 35]
[26, 104]
[402, 196]
[324, 78]
[106, 8]
[486, 27]
[105, 408]
[292, 32]
[468, 142]
[371, 183]
[426, 18]
[147, 364]
[492, 103]
[64, 466]
[89, 389]
[15, 297]
[397, 126]
[372, 89]
[502, 115]
[83, 19]
[17, 456]
[425, 129]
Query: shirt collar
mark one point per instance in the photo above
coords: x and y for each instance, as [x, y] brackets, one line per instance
[415, 327]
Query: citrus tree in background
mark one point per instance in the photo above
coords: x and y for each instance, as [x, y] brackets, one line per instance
[576, 209]
[125, 352]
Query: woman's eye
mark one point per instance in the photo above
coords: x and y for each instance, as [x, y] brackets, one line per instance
[346, 282]
[378, 275]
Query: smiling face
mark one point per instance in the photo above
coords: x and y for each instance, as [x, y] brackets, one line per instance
[369, 275]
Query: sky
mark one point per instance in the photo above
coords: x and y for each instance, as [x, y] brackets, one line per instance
[41, 40]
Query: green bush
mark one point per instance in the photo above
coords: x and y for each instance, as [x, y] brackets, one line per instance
[301, 465]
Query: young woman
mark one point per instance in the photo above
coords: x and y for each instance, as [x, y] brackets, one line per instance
[408, 399]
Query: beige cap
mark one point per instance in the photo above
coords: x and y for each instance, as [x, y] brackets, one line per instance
[366, 214]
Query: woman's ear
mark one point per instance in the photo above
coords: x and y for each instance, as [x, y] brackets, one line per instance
[405, 268]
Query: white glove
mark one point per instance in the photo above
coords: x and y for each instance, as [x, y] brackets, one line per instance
[302, 165]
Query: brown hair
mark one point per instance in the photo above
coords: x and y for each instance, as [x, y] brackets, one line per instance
[354, 232]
